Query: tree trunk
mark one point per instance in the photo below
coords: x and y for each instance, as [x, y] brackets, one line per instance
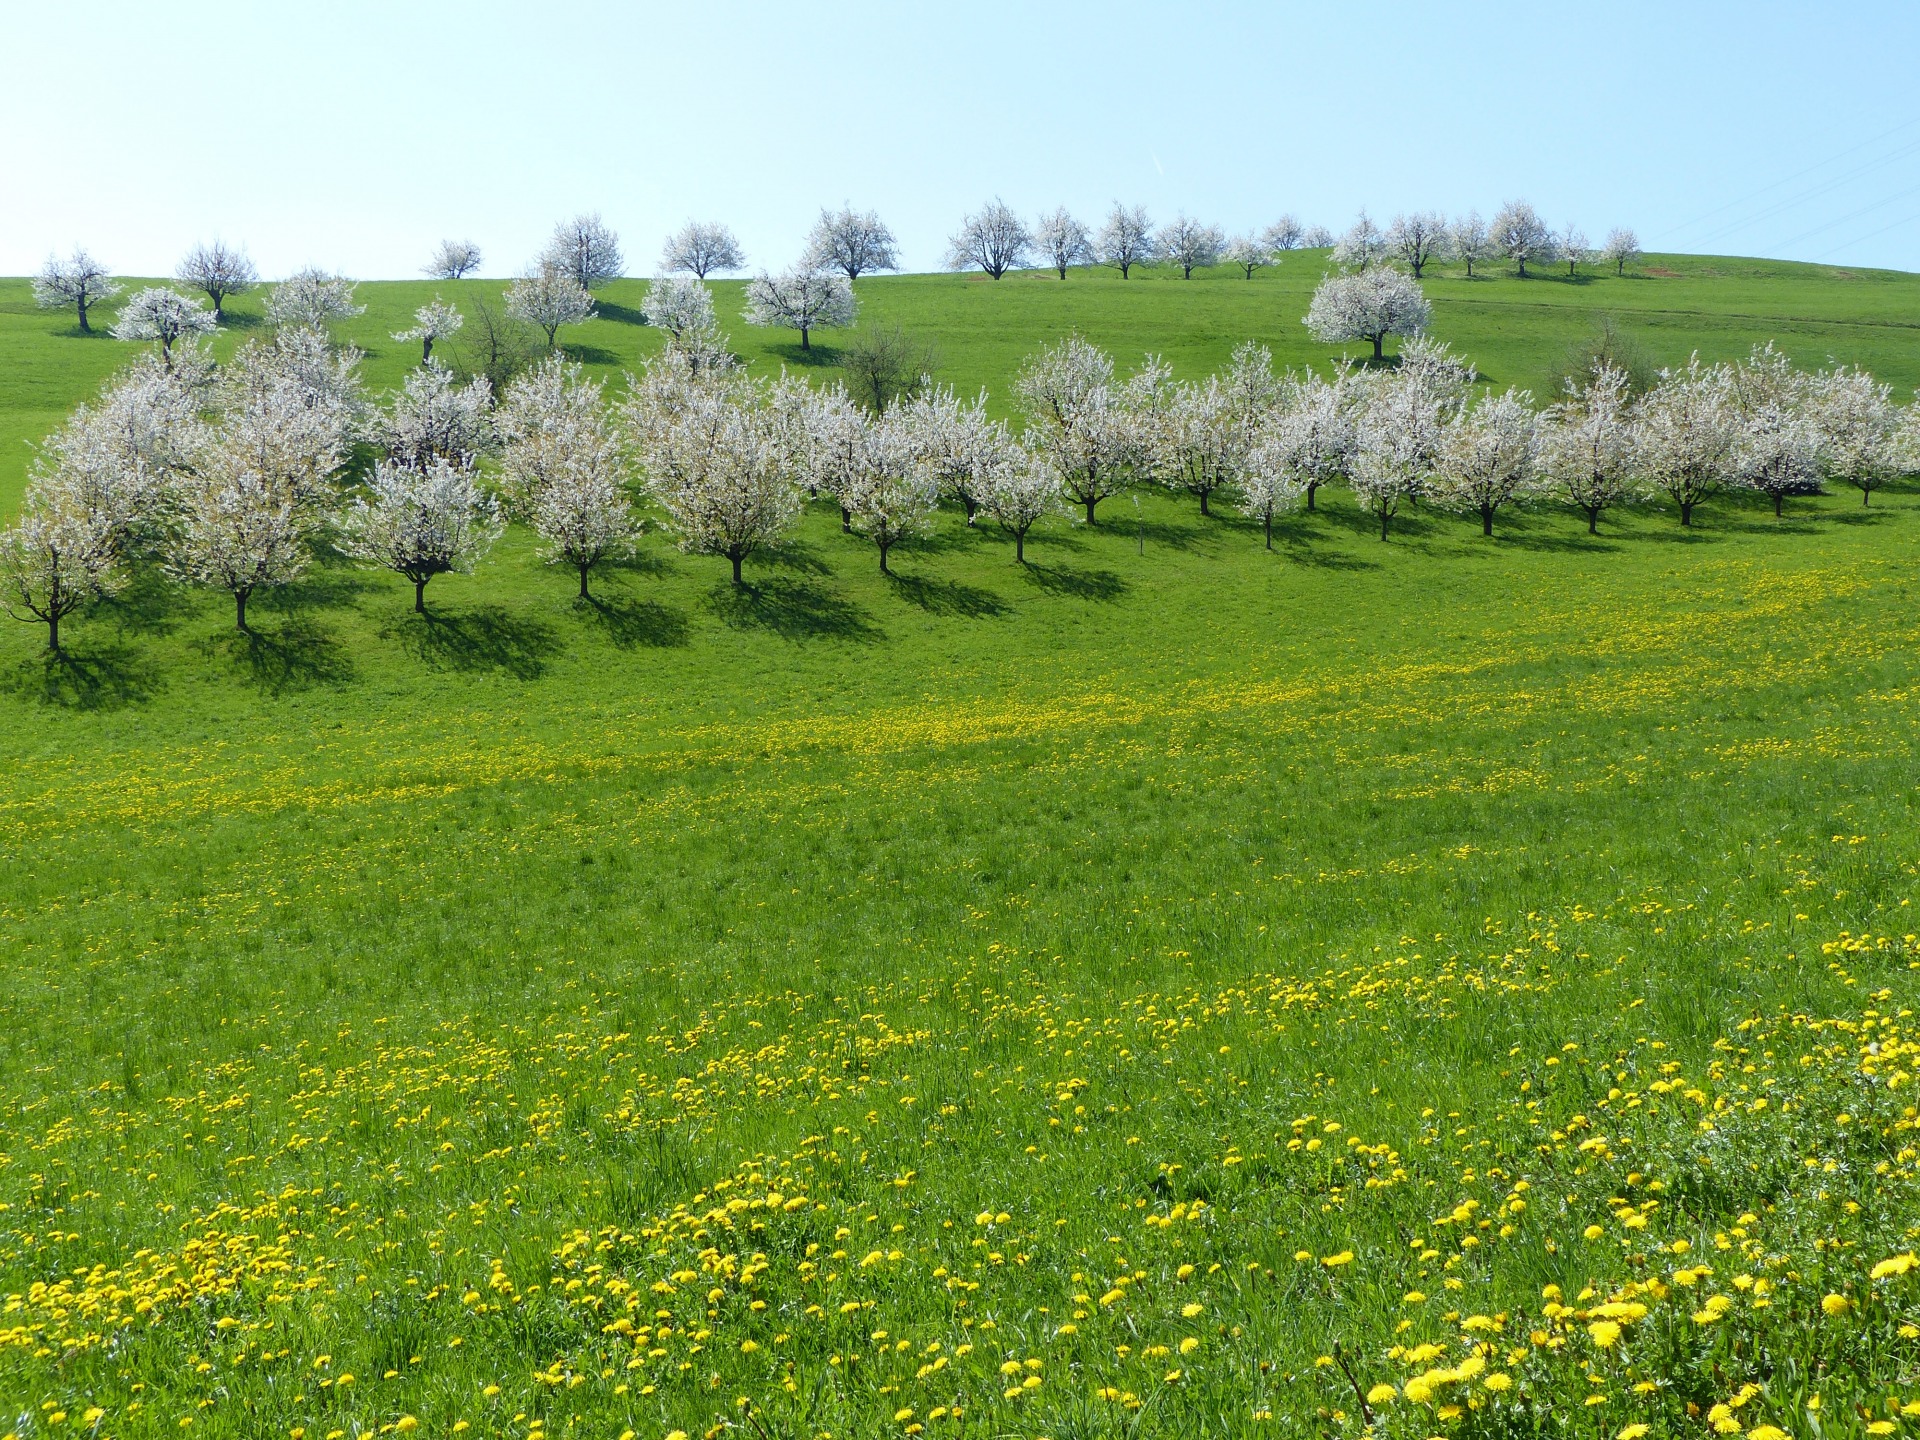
[805, 343]
[419, 597]
[1020, 547]
[1311, 489]
[1865, 495]
[1124, 268]
[1090, 504]
[1486, 520]
[1778, 496]
[846, 521]
[583, 582]
[1593, 519]
[85, 328]
[1376, 346]
[53, 631]
[1063, 271]
[1203, 503]
[736, 568]
[972, 507]
[1686, 512]
[1523, 269]
[1383, 524]
[884, 547]
[240, 609]
[1269, 520]
[426, 348]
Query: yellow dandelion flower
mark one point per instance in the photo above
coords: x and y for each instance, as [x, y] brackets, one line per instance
[1187, 1312]
[1498, 1381]
[1604, 1332]
[1593, 1232]
[1189, 1345]
[1631, 1432]
[1836, 1304]
[1382, 1395]
[1765, 1432]
[1345, 1257]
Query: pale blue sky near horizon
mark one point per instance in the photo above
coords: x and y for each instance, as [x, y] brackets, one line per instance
[358, 135]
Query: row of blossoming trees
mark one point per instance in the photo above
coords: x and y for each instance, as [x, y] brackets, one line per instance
[238, 477]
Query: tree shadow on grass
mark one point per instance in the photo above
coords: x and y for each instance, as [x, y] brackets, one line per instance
[589, 354]
[819, 355]
[947, 597]
[629, 623]
[293, 655]
[1299, 549]
[794, 610]
[619, 314]
[95, 675]
[794, 555]
[148, 604]
[1076, 584]
[485, 637]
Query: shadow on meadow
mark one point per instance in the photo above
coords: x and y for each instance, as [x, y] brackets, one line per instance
[619, 314]
[292, 654]
[947, 597]
[149, 603]
[793, 610]
[1103, 586]
[795, 555]
[631, 623]
[482, 637]
[94, 675]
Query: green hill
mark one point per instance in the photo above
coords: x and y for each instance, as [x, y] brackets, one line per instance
[1445, 987]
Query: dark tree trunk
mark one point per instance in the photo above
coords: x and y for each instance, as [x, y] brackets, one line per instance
[1865, 496]
[1376, 346]
[736, 568]
[1311, 490]
[1523, 269]
[1486, 520]
[1778, 496]
[53, 633]
[426, 347]
[1686, 512]
[1090, 504]
[419, 597]
[85, 328]
[1203, 503]
[1020, 547]
[1269, 520]
[1383, 524]
[583, 582]
[805, 343]
[884, 547]
[240, 609]
[972, 507]
[846, 521]
[1124, 268]
[1593, 519]
[1063, 271]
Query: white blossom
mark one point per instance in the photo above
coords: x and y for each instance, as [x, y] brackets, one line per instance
[287, 410]
[1521, 235]
[1081, 424]
[585, 249]
[1361, 246]
[1126, 239]
[1417, 239]
[565, 463]
[1307, 441]
[53, 561]
[219, 271]
[549, 298]
[1269, 483]
[431, 418]
[1190, 245]
[158, 313]
[1402, 420]
[717, 459]
[956, 443]
[1248, 254]
[1586, 443]
[311, 299]
[1316, 237]
[1468, 240]
[890, 496]
[993, 239]
[1776, 447]
[236, 528]
[1621, 250]
[453, 260]
[701, 248]
[1063, 240]
[79, 281]
[1684, 431]
[432, 322]
[1571, 245]
[421, 521]
[1485, 458]
[112, 462]
[1286, 233]
[678, 304]
[801, 299]
[1858, 426]
[851, 243]
[1369, 305]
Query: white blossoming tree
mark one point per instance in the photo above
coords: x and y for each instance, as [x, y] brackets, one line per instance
[851, 243]
[1776, 446]
[220, 271]
[1286, 233]
[1400, 427]
[54, 561]
[549, 298]
[312, 299]
[992, 239]
[678, 304]
[421, 521]
[432, 419]
[565, 464]
[1126, 239]
[1361, 246]
[701, 248]
[1018, 489]
[1417, 240]
[586, 249]
[1469, 241]
[1248, 254]
[1191, 245]
[79, 281]
[1586, 443]
[157, 313]
[1519, 234]
[1485, 459]
[1080, 423]
[432, 322]
[1310, 439]
[891, 496]
[1684, 433]
[801, 299]
[1858, 425]
[957, 443]
[1063, 241]
[1621, 249]
[452, 260]
[1368, 305]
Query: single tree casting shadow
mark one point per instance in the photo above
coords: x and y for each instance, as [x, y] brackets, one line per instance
[794, 610]
[485, 637]
[794, 555]
[947, 597]
[619, 314]
[91, 676]
[629, 623]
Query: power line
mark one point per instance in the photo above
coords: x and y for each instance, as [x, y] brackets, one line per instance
[1820, 164]
[1802, 197]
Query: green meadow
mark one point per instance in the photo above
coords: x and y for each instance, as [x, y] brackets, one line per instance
[1444, 987]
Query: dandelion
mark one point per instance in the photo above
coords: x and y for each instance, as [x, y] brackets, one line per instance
[1631, 1432]
[1498, 1381]
[1758, 1432]
[1345, 1257]
[1604, 1333]
[1836, 1304]
[1382, 1394]
[1192, 1309]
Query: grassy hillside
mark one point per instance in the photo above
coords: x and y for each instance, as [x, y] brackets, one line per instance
[1516, 331]
[1171, 989]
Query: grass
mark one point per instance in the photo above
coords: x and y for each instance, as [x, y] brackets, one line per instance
[1092, 998]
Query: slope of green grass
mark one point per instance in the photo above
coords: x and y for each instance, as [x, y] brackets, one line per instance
[1170, 989]
[1516, 331]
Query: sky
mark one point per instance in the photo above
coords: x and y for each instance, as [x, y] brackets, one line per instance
[355, 135]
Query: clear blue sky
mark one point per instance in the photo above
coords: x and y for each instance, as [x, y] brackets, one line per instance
[355, 135]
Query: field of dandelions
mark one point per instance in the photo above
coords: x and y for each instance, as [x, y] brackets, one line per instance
[1435, 990]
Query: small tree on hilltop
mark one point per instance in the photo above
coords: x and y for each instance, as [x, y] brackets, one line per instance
[1621, 250]
[421, 521]
[1286, 233]
[1417, 240]
[1521, 235]
[801, 299]
[1126, 239]
[1063, 240]
[453, 260]
[994, 240]
[79, 281]
[549, 298]
[701, 249]
[1571, 244]
[311, 299]
[1369, 305]
[158, 313]
[1468, 239]
[1189, 244]
[677, 305]
[586, 249]
[1362, 246]
[219, 271]
[851, 243]
[432, 322]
